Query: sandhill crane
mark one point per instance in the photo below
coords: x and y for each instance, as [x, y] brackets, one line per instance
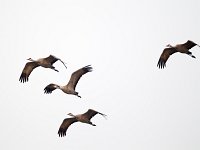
[182, 48]
[84, 118]
[43, 62]
[71, 85]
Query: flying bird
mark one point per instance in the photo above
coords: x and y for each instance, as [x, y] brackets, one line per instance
[84, 118]
[43, 62]
[71, 85]
[182, 48]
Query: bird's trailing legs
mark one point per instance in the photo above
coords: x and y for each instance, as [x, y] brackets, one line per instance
[76, 93]
[52, 67]
[190, 54]
[55, 69]
[92, 124]
[78, 96]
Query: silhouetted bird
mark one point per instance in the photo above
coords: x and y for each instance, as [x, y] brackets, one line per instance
[182, 48]
[43, 62]
[84, 118]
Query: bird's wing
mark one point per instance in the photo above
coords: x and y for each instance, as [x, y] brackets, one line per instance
[77, 75]
[189, 44]
[52, 59]
[27, 71]
[64, 126]
[90, 113]
[164, 56]
[49, 88]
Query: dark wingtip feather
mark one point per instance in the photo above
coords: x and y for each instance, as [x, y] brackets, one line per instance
[161, 64]
[47, 90]
[61, 133]
[88, 68]
[23, 78]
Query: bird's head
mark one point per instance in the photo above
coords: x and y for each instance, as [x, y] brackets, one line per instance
[30, 59]
[168, 45]
[70, 114]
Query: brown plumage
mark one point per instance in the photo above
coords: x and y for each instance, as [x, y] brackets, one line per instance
[43, 62]
[84, 118]
[182, 48]
[71, 85]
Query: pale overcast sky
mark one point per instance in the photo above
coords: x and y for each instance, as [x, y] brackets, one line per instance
[147, 108]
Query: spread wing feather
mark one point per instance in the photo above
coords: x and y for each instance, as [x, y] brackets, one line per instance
[27, 71]
[77, 75]
[91, 113]
[189, 44]
[64, 126]
[49, 88]
[52, 59]
[164, 56]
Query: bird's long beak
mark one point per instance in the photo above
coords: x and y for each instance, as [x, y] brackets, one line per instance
[70, 114]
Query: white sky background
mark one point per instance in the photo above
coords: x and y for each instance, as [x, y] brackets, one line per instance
[147, 108]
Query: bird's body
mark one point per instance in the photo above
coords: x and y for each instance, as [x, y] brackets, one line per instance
[66, 89]
[43, 62]
[182, 48]
[84, 118]
[71, 85]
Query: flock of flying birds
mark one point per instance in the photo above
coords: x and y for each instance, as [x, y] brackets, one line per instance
[68, 89]
[75, 77]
